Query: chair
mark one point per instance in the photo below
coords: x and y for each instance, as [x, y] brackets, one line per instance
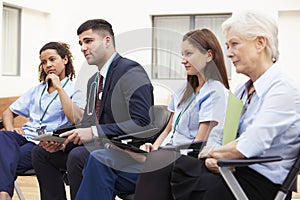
[160, 116]
[285, 189]
[1, 124]
[30, 172]
[162, 94]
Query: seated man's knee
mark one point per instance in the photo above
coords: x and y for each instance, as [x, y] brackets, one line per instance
[37, 153]
[77, 158]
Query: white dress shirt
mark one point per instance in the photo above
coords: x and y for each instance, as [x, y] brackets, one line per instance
[271, 124]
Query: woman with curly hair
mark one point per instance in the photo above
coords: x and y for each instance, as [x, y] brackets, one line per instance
[49, 105]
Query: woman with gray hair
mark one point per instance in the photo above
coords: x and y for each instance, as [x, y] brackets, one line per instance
[269, 124]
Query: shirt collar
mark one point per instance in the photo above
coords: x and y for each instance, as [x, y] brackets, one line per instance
[64, 80]
[263, 83]
[104, 69]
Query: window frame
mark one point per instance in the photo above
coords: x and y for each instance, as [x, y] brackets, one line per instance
[192, 25]
[16, 70]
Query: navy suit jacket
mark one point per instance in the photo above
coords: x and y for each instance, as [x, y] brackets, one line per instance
[126, 99]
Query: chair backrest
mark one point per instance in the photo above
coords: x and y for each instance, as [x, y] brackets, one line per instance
[1, 124]
[5, 102]
[160, 116]
[162, 94]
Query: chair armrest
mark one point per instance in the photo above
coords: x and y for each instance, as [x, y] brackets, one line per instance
[29, 172]
[191, 149]
[194, 146]
[247, 161]
[1, 124]
[224, 166]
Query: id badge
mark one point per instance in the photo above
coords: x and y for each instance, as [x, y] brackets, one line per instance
[41, 131]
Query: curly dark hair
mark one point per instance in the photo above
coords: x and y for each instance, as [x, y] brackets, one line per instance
[63, 50]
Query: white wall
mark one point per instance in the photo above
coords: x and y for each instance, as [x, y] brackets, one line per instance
[34, 33]
[289, 42]
[58, 20]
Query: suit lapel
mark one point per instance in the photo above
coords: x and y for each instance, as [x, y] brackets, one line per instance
[108, 82]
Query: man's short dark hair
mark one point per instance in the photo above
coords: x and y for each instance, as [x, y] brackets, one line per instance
[97, 25]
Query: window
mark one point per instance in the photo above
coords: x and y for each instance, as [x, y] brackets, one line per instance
[167, 36]
[11, 41]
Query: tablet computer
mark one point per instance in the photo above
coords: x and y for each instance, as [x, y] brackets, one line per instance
[49, 137]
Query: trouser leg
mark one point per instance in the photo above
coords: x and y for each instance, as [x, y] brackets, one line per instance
[192, 180]
[154, 182]
[25, 162]
[47, 167]
[108, 172]
[96, 178]
[10, 143]
[75, 163]
[255, 185]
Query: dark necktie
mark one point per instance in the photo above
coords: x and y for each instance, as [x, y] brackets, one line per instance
[99, 96]
[245, 107]
[248, 100]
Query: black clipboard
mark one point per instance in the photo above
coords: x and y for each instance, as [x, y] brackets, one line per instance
[58, 131]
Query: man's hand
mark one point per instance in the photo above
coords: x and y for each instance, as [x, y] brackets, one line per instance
[51, 146]
[78, 136]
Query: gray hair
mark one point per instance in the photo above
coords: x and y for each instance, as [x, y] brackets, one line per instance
[251, 24]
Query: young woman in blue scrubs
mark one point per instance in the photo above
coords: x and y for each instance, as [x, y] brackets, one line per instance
[51, 104]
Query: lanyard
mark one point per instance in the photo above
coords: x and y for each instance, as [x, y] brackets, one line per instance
[187, 105]
[40, 102]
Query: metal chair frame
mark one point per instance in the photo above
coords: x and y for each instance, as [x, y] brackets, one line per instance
[19, 192]
[236, 189]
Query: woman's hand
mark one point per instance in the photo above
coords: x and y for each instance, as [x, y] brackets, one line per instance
[19, 130]
[204, 153]
[211, 164]
[51, 146]
[148, 147]
[54, 79]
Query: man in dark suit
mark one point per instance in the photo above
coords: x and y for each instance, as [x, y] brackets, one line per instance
[119, 98]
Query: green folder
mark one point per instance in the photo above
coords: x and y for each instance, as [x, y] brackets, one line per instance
[232, 118]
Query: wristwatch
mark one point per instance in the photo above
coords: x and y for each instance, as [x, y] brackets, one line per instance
[95, 132]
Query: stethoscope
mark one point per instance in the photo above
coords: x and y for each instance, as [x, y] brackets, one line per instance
[93, 88]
